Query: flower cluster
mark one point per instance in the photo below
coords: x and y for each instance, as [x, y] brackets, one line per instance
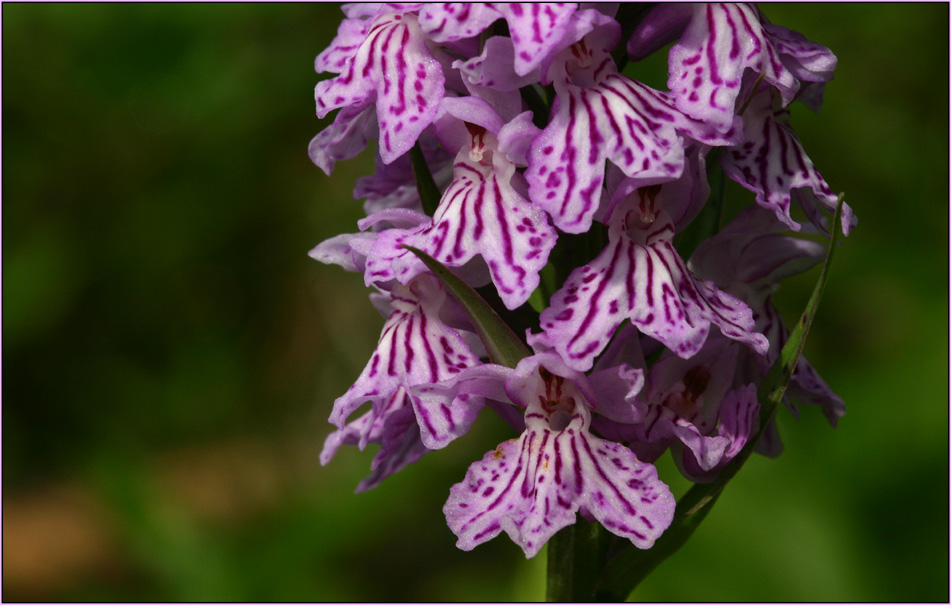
[566, 187]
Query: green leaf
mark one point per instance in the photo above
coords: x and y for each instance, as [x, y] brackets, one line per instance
[629, 566]
[425, 184]
[503, 346]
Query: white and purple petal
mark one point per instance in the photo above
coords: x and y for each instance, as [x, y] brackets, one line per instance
[642, 279]
[415, 347]
[536, 29]
[707, 64]
[601, 115]
[495, 67]
[482, 213]
[395, 69]
[771, 162]
[533, 486]
[739, 415]
[446, 410]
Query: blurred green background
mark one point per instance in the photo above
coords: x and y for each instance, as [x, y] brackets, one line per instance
[170, 353]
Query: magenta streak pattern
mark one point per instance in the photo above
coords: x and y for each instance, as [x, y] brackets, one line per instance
[647, 282]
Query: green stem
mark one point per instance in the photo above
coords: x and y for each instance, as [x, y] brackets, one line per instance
[575, 558]
[425, 184]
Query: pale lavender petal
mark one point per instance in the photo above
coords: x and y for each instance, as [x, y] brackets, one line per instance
[393, 185]
[810, 202]
[362, 10]
[646, 281]
[446, 410]
[682, 199]
[515, 138]
[738, 423]
[772, 257]
[495, 67]
[350, 37]
[454, 115]
[394, 69]
[339, 250]
[616, 391]
[400, 446]
[704, 451]
[693, 388]
[343, 139]
[771, 161]
[808, 388]
[751, 251]
[707, 64]
[369, 427]
[811, 95]
[386, 259]
[804, 59]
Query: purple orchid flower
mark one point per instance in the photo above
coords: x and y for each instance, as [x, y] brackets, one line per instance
[533, 486]
[693, 407]
[392, 68]
[718, 45]
[482, 212]
[771, 163]
[748, 258]
[600, 115]
[535, 28]
[415, 347]
[641, 277]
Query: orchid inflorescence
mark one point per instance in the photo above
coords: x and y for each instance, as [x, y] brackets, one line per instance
[513, 150]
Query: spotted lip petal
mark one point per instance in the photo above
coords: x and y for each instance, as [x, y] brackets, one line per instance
[601, 115]
[707, 64]
[536, 28]
[480, 213]
[533, 486]
[771, 162]
[393, 68]
[415, 347]
[639, 276]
